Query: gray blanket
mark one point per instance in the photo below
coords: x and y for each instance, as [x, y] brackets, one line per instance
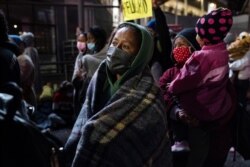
[130, 131]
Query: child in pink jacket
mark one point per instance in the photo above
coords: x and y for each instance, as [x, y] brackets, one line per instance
[205, 92]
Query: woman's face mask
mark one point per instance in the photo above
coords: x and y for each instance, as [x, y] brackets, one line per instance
[118, 61]
[181, 54]
[81, 46]
[91, 46]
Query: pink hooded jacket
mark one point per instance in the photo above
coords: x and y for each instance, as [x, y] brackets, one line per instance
[202, 83]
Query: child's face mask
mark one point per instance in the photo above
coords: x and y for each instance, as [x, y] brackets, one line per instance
[181, 54]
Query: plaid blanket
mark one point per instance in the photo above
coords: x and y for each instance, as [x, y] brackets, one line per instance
[130, 131]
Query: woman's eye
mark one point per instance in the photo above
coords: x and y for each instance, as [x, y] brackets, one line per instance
[125, 47]
[114, 43]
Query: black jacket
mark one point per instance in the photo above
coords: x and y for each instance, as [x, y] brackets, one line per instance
[9, 67]
[163, 56]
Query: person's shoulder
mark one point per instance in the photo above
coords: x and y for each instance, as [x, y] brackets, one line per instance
[102, 52]
[7, 56]
[25, 59]
[31, 50]
[86, 56]
[5, 51]
[169, 70]
[200, 54]
[8, 48]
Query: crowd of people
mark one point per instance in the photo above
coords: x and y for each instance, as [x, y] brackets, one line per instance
[142, 95]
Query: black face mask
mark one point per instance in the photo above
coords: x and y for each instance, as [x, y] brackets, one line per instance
[118, 61]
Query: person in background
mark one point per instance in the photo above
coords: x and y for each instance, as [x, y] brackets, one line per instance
[82, 43]
[27, 73]
[85, 66]
[122, 121]
[31, 51]
[10, 80]
[10, 70]
[184, 44]
[44, 107]
[206, 93]
[161, 59]
[62, 102]
[78, 71]
[79, 31]
[240, 65]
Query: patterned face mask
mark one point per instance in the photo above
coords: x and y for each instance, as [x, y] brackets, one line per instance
[181, 54]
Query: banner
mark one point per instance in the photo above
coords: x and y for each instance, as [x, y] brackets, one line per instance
[135, 9]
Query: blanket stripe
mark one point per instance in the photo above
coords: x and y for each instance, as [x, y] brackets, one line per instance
[128, 119]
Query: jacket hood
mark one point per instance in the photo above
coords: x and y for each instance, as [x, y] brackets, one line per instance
[144, 54]
[142, 58]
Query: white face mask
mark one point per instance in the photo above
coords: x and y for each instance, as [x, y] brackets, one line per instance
[91, 46]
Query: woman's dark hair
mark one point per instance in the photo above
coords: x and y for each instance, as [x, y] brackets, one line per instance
[3, 27]
[100, 36]
[84, 34]
[138, 35]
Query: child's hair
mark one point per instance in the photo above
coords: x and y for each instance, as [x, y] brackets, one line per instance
[214, 26]
[82, 35]
[189, 35]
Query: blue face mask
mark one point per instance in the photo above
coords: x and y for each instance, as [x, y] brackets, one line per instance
[91, 46]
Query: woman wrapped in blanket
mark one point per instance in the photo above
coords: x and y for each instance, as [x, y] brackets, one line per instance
[122, 121]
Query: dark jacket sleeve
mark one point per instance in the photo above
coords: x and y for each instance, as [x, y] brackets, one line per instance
[10, 70]
[164, 38]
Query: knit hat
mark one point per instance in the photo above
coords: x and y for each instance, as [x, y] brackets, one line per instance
[151, 24]
[16, 39]
[189, 35]
[214, 26]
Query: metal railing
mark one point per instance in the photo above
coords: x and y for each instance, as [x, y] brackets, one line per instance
[57, 71]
